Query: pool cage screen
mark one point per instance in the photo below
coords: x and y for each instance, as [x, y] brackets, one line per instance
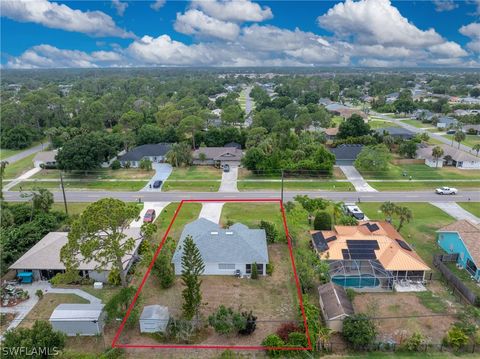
[363, 273]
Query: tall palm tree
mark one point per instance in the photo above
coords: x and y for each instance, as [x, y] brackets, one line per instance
[388, 209]
[437, 152]
[459, 136]
[404, 215]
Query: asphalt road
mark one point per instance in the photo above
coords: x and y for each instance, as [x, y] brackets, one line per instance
[26, 153]
[412, 196]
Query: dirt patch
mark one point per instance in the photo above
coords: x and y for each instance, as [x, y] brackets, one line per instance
[399, 315]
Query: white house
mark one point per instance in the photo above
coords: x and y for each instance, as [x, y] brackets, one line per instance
[225, 251]
[152, 152]
[451, 157]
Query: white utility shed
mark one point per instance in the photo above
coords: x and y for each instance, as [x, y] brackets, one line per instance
[78, 319]
[154, 319]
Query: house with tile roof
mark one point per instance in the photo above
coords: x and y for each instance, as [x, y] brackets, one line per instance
[451, 157]
[462, 238]
[224, 251]
[371, 254]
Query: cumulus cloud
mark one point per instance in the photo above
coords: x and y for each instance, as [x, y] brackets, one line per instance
[60, 16]
[448, 49]
[158, 4]
[195, 22]
[473, 32]
[376, 22]
[234, 10]
[444, 5]
[119, 6]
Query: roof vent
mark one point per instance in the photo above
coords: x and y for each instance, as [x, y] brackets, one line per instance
[228, 232]
[213, 232]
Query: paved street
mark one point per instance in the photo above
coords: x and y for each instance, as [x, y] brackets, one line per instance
[26, 153]
[456, 211]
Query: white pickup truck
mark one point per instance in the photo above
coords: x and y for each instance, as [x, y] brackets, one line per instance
[446, 190]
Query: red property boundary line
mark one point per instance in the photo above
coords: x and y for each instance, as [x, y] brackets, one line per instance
[231, 347]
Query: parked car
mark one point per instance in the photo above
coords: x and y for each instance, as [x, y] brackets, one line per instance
[157, 184]
[149, 216]
[226, 168]
[351, 209]
[451, 132]
[446, 190]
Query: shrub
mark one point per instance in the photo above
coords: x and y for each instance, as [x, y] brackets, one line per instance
[297, 339]
[39, 293]
[285, 329]
[163, 267]
[114, 277]
[145, 164]
[226, 321]
[118, 305]
[456, 337]
[113, 353]
[254, 274]
[251, 323]
[347, 221]
[350, 294]
[115, 165]
[270, 268]
[413, 343]
[270, 231]
[69, 277]
[322, 221]
[273, 341]
[181, 330]
[359, 330]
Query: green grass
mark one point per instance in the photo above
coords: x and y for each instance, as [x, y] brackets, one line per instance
[408, 186]
[472, 207]
[420, 232]
[87, 185]
[194, 186]
[195, 173]
[432, 302]
[421, 171]
[337, 120]
[374, 124]
[418, 124]
[464, 276]
[250, 214]
[295, 185]
[13, 170]
[188, 213]
[101, 173]
[470, 140]
[73, 207]
[5, 153]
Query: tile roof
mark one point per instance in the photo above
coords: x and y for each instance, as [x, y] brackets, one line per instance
[390, 253]
[332, 131]
[136, 154]
[470, 235]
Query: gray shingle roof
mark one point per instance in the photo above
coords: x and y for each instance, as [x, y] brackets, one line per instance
[395, 131]
[78, 312]
[237, 244]
[155, 311]
[346, 152]
[335, 301]
[136, 154]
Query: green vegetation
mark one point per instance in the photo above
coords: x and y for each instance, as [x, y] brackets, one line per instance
[98, 174]
[432, 302]
[250, 214]
[95, 185]
[407, 186]
[470, 140]
[472, 207]
[13, 170]
[374, 124]
[191, 186]
[293, 185]
[188, 213]
[465, 277]
[418, 124]
[420, 171]
[195, 173]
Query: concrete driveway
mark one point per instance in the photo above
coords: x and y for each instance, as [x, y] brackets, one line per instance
[356, 179]
[211, 211]
[229, 180]
[162, 172]
[157, 206]
[456, 211]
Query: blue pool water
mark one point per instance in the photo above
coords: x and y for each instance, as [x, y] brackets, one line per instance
[356, 281]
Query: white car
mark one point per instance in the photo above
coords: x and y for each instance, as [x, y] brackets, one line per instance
[352, 209]
[446, 190]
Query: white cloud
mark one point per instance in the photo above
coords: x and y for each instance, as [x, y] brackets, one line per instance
[444, 5]
[60, 16]
[234, 10]
[473, 32]
[158, 4]
[386, 63]
[376, 22]
[195, 22]
[448, 49]
[119, 6]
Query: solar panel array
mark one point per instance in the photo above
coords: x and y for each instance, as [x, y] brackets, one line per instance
[360, 249]
[404, 245]
[320, 242]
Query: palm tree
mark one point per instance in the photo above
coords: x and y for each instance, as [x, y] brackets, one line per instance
[388, 209]
[476, 148]
[3, 165]
[404, 215]
[437, 152]
[337, 211]
[172, 157]
[324, 335]
[459, 136]
[389, 141]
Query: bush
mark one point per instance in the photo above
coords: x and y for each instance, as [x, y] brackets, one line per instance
[347, 221]
[251, 323]
[163, 267]
[359, 330]
[456, 338]
[413, 343]
[270, 231]
[114, 277]
[118, 305]
[285, 329]
[270, 268]
[297, 339]
[226, 321]
[115, 165]
[181, 330]
[273, 341]
[69, 277]
[322, 221]
[254, 274]
[350, 294]
[39, 293]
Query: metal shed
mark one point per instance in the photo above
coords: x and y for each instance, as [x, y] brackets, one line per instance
[154, 319]
[78, 319]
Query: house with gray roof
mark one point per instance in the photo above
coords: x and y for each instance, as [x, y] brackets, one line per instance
[446, 122]
[396, 132]
[152, 152]
[346, 154]
[224, 251]
[217, 156]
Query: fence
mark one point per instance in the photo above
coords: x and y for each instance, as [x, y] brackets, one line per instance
[393, 347]
[458, 286]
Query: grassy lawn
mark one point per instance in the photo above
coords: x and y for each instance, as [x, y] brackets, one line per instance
[464, 276]
[188, 213]
[295, 185]
[408, 186]
[243, 173]
[472, 207]
[4, 153]
[194, 186]
[374, 124]
[470, 140]
[420, 232]
[13, 170]
[418, 124]
[337, 120]
[195, 173]
[101, 173]
[421, 171]
[73, 207]
[85, 185]
[251, 214]
[45, 307]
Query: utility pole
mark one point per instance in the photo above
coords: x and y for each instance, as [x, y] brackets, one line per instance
[63, 191]
[282, 187]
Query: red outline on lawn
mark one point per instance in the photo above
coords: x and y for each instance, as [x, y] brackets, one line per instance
[232, 347]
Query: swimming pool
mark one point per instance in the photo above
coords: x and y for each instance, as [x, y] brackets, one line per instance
[362, 281]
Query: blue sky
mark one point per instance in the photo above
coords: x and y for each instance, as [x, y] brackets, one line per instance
[42, 33]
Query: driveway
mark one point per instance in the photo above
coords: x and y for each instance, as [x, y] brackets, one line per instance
[229, 180]
[162, 172]
[356, 179]
[27, 152]
[211, 211]
[456, 211]
[157, 206]
[22, 177]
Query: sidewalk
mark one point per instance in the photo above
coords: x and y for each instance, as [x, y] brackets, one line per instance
[22, 177]
[456, 211]
[356, 179]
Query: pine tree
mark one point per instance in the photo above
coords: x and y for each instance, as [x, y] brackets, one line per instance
[192, 268]
[254, 274]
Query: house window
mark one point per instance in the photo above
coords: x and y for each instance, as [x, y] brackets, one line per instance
[471, 267]
[248, 269]
[226, 266]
